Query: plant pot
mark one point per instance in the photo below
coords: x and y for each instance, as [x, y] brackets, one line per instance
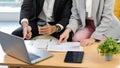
[108, 57]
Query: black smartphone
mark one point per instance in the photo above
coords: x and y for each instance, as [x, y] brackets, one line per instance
[74, 57]
[41, 23]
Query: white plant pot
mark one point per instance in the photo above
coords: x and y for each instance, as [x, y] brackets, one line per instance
[108, 57]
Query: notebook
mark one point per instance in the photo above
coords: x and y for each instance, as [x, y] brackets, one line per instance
[15, 47]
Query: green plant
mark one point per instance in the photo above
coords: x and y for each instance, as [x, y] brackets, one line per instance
[109, 46]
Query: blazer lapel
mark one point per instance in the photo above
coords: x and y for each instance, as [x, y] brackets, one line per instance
[39, 5]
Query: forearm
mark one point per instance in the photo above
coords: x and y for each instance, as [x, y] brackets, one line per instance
[26, 9]
[65, 16]
[106, 20]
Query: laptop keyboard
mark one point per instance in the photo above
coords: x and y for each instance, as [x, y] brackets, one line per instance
[33, 56]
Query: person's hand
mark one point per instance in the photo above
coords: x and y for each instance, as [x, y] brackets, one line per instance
[104, 37]
[47, 29]
[27, 34]
[87, 42]
[64, 36]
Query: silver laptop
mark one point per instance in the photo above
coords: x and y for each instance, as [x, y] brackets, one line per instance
[15, 46]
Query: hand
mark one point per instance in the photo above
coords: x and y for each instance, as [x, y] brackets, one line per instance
[47, 29]
[27, 34]
[104, 37]
[64, 36]
[87, 42]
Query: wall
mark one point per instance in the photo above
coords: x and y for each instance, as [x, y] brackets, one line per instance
[117, 9]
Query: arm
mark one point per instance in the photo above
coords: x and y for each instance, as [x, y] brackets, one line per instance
[74, 19]
[25, 9]
[66, 13]
[24, 16]
[105, 21]
[72, 26]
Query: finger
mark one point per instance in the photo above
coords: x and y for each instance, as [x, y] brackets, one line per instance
[24, 32]
[39, 29]
[90, 41]
[65, 39]
[83, 43]
[27, 32]
[61, 39]
[28, 36]
[47, 31]
[30, 33]
[29, 29]
[42, 32]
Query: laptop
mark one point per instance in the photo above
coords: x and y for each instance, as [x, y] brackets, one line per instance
[15, 47]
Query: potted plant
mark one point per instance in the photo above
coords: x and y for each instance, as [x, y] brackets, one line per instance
[108, 48]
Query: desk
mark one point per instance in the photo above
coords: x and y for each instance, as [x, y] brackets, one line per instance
[91, 60]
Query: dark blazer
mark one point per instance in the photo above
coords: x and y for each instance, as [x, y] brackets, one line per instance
[61, 11]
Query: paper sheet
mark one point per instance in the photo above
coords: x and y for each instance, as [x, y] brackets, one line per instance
[52, 45]
[41, 43]
[64, 47]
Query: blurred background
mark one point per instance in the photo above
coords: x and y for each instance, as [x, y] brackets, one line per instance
[9, 15]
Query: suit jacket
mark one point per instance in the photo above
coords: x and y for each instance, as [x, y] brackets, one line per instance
[61, 10]
[102, 14]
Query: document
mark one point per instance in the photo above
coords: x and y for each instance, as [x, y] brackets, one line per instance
[41, 43]
[52, 45]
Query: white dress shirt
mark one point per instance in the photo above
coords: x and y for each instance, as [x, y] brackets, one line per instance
[47, 11]
[89, 7]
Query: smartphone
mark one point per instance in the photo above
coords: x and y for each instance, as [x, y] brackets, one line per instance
[41, 23]
[74, 57]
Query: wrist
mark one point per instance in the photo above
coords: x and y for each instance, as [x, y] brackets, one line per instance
[24, 24]
[58, 29]
[95, 40]
[68, 30]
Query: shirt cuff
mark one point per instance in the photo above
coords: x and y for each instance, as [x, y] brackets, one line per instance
[24, 19]
[61, 27]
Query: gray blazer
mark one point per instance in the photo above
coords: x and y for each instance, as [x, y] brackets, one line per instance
[102, 14]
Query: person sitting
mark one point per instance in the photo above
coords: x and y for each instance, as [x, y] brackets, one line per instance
[55, 13]
[92, 19]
